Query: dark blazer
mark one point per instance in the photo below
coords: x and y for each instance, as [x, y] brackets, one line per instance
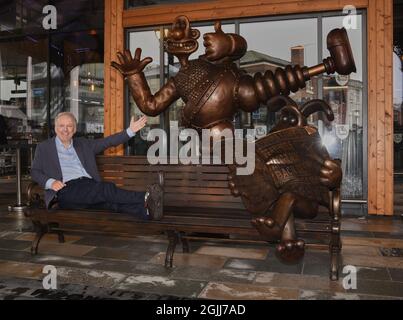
[46, 163]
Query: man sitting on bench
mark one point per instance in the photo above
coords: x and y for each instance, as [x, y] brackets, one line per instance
[66, 168]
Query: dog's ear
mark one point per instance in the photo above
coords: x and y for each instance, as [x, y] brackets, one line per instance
[276, 103]
[317, 105]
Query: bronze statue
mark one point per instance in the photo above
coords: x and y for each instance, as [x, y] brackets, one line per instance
[214, 89]
[212, 86]
[293, 176]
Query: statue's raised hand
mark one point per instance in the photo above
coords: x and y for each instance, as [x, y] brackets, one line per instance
[128, 65]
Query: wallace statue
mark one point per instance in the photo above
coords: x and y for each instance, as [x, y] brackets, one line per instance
[212, 86]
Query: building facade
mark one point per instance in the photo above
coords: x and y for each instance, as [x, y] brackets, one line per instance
[47, 70]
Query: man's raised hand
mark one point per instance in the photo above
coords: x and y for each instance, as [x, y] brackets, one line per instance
[136, 125]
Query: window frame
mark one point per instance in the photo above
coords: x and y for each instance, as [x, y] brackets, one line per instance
[355, 203]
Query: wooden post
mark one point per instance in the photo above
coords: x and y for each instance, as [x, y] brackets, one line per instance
[380, 108]
[113, 82]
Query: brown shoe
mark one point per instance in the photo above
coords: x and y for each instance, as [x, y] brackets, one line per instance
[154, 201]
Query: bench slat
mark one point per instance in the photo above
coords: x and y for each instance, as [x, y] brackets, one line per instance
[184, 190]
[168, 175]
[165, 168]
[173, 183]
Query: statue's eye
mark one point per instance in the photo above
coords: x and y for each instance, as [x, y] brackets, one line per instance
[293, 121]
[285, 119]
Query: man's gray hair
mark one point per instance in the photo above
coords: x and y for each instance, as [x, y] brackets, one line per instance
[68, 114]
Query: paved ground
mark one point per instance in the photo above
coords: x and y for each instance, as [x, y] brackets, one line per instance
[94, 267]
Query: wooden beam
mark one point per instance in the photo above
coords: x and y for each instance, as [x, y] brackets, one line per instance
[113, 92]
[388, 107]
[227, 9]
[380, 109]
[119, 104]
[380, 101]
[107, 68]
[372, 113]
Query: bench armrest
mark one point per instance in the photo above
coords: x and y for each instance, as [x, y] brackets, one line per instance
[35, 195]
[335, 204]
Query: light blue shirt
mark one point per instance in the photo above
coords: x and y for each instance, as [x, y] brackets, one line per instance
[70, 163]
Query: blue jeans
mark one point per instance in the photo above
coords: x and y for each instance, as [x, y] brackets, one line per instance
[86, 193]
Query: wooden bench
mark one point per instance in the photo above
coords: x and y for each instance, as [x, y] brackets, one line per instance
[197, 204]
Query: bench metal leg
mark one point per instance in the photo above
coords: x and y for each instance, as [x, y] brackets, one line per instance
[40, 230]
[173, 238]
[334, 251]
[334, 262]
[335, 241]
[185, 243]
[59, 233]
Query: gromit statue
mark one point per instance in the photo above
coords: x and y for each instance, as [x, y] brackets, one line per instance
[293, 176]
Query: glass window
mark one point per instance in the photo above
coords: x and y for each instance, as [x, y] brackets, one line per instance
[84, 93]
[23, 87]
[77, 79]
[398, 111]
[273, 44]
[343, 137]
[278, 43]
[26, 17]
[44, 72]
[21, 16]
[23, 97]
[398, 91]
[149, 42]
